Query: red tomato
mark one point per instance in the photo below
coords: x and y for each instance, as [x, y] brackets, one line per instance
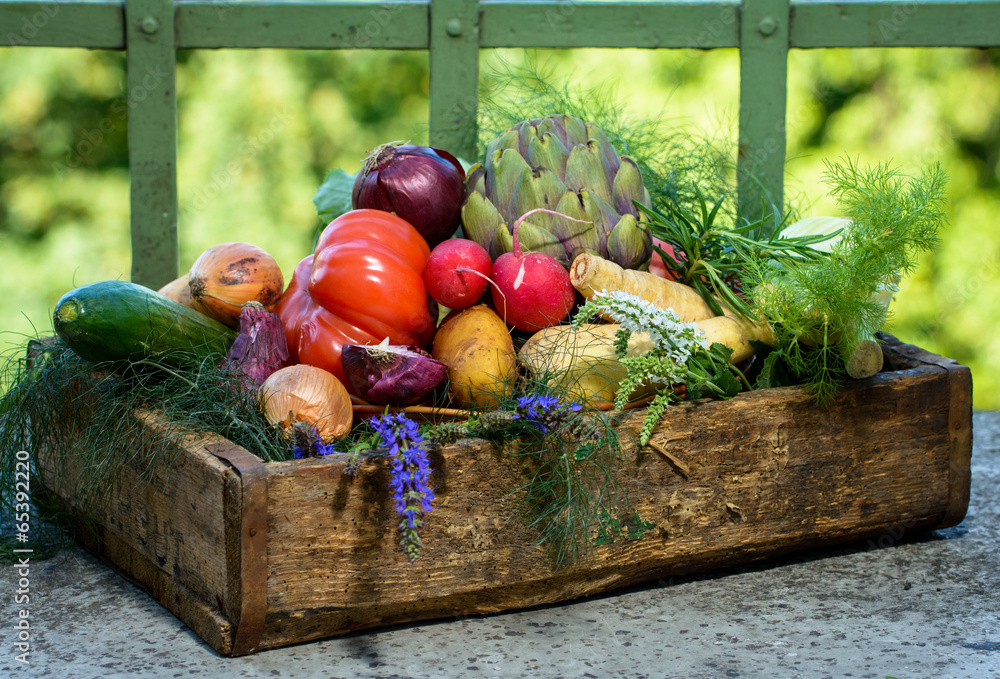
[363, 284]
[657, 266]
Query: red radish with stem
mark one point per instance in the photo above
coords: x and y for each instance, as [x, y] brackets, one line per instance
[531, 291]
[457, 273]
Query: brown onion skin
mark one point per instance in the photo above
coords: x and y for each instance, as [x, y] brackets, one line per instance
[228, 275]
[406, 381]
[423, 185]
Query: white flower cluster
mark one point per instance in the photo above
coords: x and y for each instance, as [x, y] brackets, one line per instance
[673, 336]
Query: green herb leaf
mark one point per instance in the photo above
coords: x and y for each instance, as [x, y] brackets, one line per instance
[333, 198]
[722, 373]
[772, 371]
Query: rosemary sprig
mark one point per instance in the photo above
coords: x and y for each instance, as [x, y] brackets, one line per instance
[710, 257]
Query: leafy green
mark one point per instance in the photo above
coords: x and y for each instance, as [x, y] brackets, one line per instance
[333, 197]
[769, 369]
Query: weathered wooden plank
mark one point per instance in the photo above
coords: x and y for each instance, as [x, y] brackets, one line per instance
[765, 473]
[152, 140]
[164, 530]
[959, 395]
[246, 549]
[99, 24]
[769, 472]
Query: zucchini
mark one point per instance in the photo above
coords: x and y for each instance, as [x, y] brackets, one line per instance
[121, 321]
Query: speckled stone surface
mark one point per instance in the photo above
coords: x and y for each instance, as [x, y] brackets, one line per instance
[905, 605]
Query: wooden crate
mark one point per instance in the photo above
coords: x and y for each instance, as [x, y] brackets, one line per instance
[254, 556]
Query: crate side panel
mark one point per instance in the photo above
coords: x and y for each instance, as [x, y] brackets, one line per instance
[766, 472]
[173, 520]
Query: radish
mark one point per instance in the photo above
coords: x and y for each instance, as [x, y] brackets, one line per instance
[457, 273]
[531, 291]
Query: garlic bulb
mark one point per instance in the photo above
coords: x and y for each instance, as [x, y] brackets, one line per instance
[305, 393]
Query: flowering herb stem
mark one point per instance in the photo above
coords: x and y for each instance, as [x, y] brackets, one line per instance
[404, 446]
[681, 355]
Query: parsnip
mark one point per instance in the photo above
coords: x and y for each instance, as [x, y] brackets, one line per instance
[590, 274]
[736, 333]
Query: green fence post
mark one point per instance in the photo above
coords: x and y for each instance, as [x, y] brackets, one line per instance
[454, 77]
[764, 28]
[152, 139]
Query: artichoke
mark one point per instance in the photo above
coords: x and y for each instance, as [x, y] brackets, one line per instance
[566, 165]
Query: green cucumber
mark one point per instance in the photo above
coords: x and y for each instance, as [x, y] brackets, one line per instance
[122, 321]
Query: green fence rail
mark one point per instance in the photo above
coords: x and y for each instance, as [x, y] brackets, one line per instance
[453, 32]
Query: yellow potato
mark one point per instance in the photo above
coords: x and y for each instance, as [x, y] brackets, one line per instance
[476, 346]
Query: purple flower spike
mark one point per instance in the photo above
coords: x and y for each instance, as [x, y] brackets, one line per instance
[548, 413]
[411, 474]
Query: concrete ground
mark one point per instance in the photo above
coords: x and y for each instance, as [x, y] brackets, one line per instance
[907, 606]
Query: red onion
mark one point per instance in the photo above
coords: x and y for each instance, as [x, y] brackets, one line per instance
[391, 374]
[423, 185]
[260, 349]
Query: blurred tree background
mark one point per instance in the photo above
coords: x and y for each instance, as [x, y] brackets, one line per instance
[259, 129]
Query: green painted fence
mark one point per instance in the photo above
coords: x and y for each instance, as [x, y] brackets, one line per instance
[453, 31]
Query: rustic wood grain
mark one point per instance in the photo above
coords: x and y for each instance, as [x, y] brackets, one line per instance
[765, 473]
[165, 530]
[769, 471]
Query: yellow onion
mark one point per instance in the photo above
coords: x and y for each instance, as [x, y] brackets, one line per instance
[227, 276]
[179, 290]
[305, 393]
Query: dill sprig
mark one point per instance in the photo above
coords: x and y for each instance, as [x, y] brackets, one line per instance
[821, 308]
[572, 461]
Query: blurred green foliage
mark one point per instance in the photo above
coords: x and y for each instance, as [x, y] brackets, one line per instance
[259, 129]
